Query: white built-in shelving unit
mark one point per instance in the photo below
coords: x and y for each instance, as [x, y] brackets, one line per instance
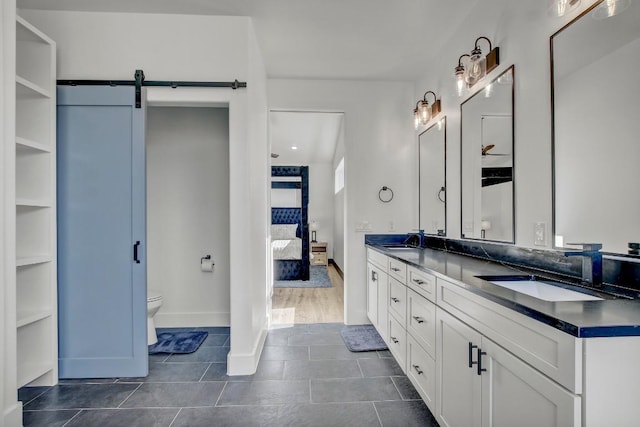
[36, 296]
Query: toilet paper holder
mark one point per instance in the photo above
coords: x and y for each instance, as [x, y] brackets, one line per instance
[208, 258]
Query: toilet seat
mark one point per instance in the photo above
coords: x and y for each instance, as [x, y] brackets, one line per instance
[153, 295]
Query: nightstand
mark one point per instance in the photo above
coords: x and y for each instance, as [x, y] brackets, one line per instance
[319, 252]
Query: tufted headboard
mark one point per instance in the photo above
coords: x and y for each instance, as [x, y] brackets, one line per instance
[287, 216]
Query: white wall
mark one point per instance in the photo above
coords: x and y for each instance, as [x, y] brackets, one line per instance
[181, 47]
[321, 202]
[188, 213]
[521, 29]
[338, 205]
[379, 150]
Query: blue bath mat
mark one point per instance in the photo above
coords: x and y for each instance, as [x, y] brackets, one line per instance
[318, 278]
[178, 342]
[362, 338]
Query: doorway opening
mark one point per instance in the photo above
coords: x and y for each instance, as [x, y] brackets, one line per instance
[313, 140]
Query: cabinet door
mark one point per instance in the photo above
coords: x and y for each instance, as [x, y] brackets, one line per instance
[459, 387]
[515, 394]
[101, 233]
[373, 275]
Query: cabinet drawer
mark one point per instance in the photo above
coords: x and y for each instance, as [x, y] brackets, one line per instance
[377, 258]
[398, 270]
[421, 370]
[421, 321]
[422, 282]
[398, 342]
[551, 351]
[397, 299]
[319, 258]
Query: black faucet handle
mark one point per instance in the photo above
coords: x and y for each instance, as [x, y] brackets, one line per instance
[590, 247]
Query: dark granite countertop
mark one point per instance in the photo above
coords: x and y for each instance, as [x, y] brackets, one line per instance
[585, 319]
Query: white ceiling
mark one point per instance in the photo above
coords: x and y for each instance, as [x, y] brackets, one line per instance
[314, 134]
[320, 39]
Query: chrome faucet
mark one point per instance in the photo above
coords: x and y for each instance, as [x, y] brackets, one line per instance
[591, 262]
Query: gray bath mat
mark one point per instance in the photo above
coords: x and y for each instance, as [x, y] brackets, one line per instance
[362, 338]
[178, 342]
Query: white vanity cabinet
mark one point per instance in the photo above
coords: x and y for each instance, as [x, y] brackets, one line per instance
[482, 384]
[476, 362]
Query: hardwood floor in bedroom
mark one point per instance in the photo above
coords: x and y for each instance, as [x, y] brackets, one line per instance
[310, 305]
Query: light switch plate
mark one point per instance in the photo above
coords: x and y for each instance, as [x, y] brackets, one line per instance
[540, 234]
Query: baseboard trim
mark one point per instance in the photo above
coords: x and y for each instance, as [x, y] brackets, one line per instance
[184, 320]
[12, 416]
[246, 364]
[340, 273]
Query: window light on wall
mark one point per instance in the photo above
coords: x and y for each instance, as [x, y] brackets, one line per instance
[338, 180]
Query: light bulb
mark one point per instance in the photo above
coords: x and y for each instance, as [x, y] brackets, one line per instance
[610, 8]
[460, 83]
[424, 112]
[477, 67]
[416, 119]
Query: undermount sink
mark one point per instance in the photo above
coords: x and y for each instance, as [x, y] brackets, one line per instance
[540, 288]
[400, 246]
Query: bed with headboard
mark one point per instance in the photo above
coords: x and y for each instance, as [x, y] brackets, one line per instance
[290, 228]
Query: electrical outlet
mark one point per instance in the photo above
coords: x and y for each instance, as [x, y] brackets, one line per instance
[392, 226]
[540, 234]
[363, 226]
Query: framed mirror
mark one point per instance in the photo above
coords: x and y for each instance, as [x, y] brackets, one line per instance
[486, 162]
[432, 147]
[595, 126]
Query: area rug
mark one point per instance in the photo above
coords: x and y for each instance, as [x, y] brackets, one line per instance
[318, 278]
[362, 338]
[178, 342]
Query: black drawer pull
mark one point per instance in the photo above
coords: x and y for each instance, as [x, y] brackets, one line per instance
[419, 282]
[418, 319]
[395, 340]
[394, 299]
[395, 269]
[418, 370]
[374, 276]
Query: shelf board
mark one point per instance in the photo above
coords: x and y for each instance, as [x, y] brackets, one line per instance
[29, 144]
[30, 33]
[33, 203]
[24, 261]
[32, 371]
[28, 88]
[28, 317]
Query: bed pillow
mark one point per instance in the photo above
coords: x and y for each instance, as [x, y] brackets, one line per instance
[283, 231]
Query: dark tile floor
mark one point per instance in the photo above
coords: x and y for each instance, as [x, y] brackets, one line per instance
[306, 377]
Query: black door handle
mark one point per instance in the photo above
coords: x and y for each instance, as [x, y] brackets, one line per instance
[135, 251]
[471, 347]
[480, 354]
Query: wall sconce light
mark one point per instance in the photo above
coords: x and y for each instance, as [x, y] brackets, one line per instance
[609, 8]
[562, 7]
[478, 67]
[459, 76]
[424, 111]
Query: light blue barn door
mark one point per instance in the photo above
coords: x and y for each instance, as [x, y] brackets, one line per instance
[101, 233]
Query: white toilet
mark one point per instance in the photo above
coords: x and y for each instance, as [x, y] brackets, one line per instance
[154, 302]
